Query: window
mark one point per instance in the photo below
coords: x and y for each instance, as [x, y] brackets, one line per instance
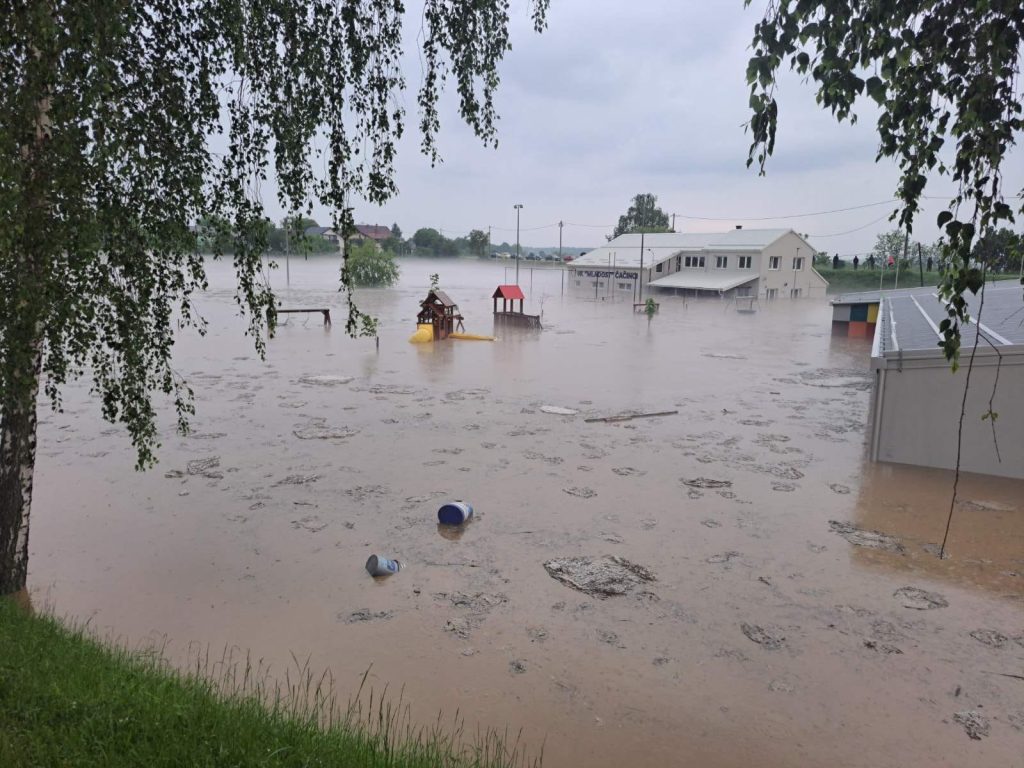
[794, 293]
[773, 262]
[695, 261]
[679, 263]
[745, 262]
[624, 286]
[798, 262]
[658, 268]
[721, 262]
[744, 291]
[772, 293]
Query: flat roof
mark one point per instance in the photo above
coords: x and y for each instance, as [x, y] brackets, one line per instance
[909, 320]
[702, 281]
[624, 250]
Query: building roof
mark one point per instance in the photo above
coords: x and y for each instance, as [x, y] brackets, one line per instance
[703, 281]
[373, 231]
[319, 230]
[909, 320]
[508, 292]
[624, 250]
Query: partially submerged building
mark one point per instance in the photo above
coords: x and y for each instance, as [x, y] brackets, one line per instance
[916, 405]
[755, 263]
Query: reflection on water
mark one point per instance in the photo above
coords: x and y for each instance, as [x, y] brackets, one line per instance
[986, 539]
[266, 550]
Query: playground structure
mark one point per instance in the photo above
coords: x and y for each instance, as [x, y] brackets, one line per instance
[508, 317]
[439, 319]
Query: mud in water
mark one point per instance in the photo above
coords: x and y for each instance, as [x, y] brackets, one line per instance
[769, 638]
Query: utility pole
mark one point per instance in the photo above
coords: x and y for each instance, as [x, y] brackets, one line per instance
[518, 207]
[560, 225]
[641, 268]
[920, 264]
[673, 222]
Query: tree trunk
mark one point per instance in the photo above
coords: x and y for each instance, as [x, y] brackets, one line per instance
[17, 469]
[24, 336]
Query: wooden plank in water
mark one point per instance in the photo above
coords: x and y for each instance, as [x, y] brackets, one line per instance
[629, 416]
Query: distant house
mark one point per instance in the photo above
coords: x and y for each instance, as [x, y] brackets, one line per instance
[327, 233]
[372, 232]
[761, 263]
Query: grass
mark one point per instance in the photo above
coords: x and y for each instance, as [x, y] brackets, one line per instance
[67, 699]
[849, 280]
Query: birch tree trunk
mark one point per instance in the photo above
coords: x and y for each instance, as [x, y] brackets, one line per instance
[24, 342]
[17, 470]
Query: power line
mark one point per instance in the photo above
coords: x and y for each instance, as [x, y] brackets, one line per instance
[855, 229]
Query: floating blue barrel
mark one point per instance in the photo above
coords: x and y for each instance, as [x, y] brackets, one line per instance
[454, 513]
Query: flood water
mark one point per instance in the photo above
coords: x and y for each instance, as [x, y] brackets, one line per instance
[767, 638]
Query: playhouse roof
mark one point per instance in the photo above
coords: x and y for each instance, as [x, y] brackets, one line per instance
[508, 292]
[440, 296]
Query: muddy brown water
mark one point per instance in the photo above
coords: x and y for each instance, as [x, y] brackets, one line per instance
[767, 639]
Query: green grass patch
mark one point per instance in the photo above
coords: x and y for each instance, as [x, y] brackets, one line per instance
[67, 699]
[849, 280]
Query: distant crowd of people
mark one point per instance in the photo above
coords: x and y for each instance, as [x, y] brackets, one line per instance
[870, 261]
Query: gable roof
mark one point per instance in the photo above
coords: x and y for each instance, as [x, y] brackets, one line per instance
[508, 292]
[318, 230]
[440, 296]
[624, 250]
[373, 231]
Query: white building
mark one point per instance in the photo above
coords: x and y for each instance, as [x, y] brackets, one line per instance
[759, 263]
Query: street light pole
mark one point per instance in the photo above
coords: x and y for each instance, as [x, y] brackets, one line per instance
[518, 207]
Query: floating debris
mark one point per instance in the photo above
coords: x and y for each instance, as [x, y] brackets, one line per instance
[919, 599]
[203, 466]
[975, 723]
[706, 482]
[770, 638]
[310, 523]
[725, 557]
[839, 488]
[862, 538]
[517, 666]
[630, 416]
[297, 480]
[319, 429]
[583, 493]
[990, 637]
[883, 647]
[365, 614]
[601, 577]
[557, 410]
[783, 487]
[326, 380]
[628, 471]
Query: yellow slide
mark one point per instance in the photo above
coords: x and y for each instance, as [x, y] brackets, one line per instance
[424, 334]
[470, 337]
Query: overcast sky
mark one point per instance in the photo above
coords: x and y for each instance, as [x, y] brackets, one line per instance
[617, 98]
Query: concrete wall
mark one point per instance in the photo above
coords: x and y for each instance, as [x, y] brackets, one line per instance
[915, 413]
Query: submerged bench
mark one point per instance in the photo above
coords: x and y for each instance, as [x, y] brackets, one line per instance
[325, 312]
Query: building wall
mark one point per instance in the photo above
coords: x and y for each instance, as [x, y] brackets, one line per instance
[785, 279]
[916, 416]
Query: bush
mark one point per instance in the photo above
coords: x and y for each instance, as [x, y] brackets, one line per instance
[370, 266]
